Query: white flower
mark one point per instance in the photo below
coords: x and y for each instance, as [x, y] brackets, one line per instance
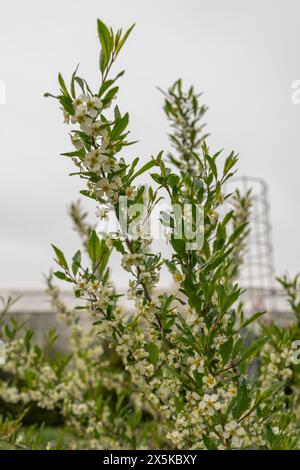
[122, 349]
[20, 438]
[218, 341]
[80, 100]
[272, 368]
[210, 403]
[82, 119]
[117, 181]
[97, 129]
[81, 283]
[104, 187]
[274, 358]
[109, 242]
[85, 126]
[178, 277]
[209, 380]
[93, 106]
[235, 431]
[196, 323]
[66, 116]
[77, 142]
[129, 260]
[232, 390]
[286, 373]
[213, 217]
[94, 286]
[138, 230]
[145, 277]
[197, 363]
[140, 354]
[79, 115]
[143, 368]
[131, 193]
[95, 159]
[110, 165]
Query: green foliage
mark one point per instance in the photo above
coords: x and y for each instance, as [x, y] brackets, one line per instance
[176, 371]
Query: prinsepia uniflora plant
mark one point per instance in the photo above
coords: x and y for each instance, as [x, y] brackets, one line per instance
[176, 370]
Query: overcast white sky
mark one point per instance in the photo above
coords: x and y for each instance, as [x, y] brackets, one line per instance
[244, 56]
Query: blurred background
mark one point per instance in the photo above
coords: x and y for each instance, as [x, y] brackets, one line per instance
[242, 55]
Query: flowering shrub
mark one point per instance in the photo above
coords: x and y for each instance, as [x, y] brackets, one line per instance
[176, 371]
[280, 361]
[85, 389]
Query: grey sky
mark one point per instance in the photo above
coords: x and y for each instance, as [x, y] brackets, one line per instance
[242, 54]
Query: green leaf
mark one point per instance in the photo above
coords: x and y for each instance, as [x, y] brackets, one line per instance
[204, 285]
[105, 85]
[110, 94]
[270, 391]
[66, 102]
[227, 218]
[237, 347]
[270, 436]
[226, 349]
[61, 275]
[93, 247]
[76, 153]
[81, 83]
[209, 443]
[242, 401]
[173, 180]
[142, 170]
[76, 260]
[237, 233]
[178, 245]
[119, 127]
[217, 261]
[124, 39]
[61, 260]
[105, 254]
[117, 113]
[229, 163]
[153, 352]
[156, 177]
[73, 92]
[254, 348]
[8, 332]
[132, 167]
[86, 193]
[63, 85]
[27, 339]
[230, 299]
[213, 166]
[106, 43]
[252, 319]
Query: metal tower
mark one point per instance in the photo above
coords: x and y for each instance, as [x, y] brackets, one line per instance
[257, 273]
